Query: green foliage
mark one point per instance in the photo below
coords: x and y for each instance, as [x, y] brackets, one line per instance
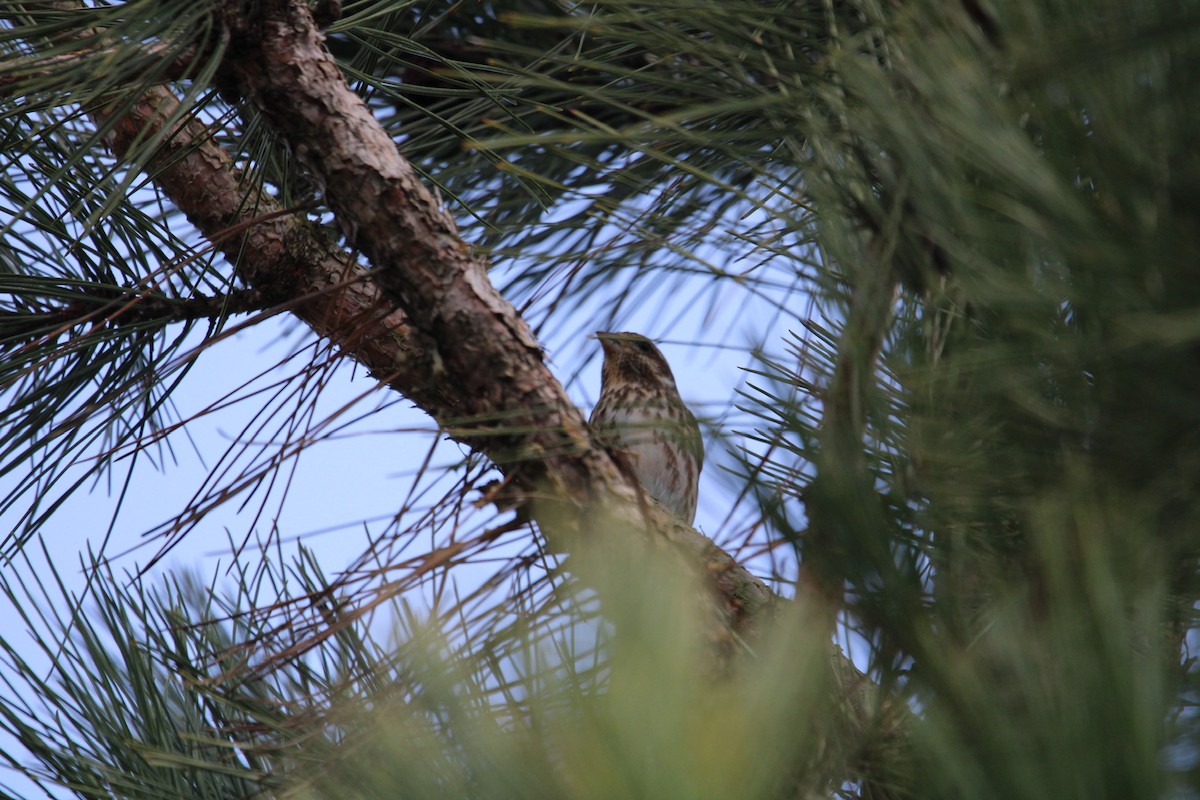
[156, 692]
[126, 697]
[92, 272]
[979, 220]
[660, 727]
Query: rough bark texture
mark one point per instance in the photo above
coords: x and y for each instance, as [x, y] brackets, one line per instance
[484, 373]
[426, 318]
[288, 260]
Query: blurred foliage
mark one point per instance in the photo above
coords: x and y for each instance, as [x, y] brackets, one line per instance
[158, 693]
[979, 221]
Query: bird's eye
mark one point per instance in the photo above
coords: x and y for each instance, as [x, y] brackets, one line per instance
[644, 346]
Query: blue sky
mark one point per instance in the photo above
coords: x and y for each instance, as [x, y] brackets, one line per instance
[347, 486]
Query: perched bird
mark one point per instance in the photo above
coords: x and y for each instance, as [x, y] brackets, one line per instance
[642, 420]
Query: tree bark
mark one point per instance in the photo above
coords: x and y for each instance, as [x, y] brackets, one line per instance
[425, 317]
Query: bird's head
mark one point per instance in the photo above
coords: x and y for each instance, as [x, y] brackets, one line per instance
[631, 357]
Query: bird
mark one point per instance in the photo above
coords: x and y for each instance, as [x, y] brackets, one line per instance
[643, 422]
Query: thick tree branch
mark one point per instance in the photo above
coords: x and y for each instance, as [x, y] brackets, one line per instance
[458, 349]
[454, 346]
[486, 368]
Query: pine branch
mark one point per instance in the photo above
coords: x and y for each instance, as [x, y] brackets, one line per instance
[125, 309]
[495, 391]
[426, 318]
[169, 64]
[479, 364]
